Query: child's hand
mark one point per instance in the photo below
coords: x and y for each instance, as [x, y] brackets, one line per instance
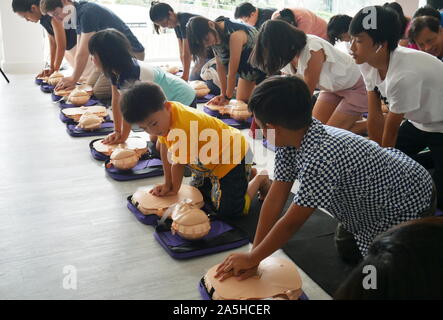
[240, 265]
[163, 190]
[219, 101]
[113, 138]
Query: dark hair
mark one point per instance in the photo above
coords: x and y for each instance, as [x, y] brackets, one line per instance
[277, 44]
[408, 260]
[50, 5]
[420, 23]
[338, 25]
[387, 29]
[401, 16]
[113, 49]
[244, 10]
[159, 11]
[141, 100]
[288, 16]
[437, 4]
[284, 101]
[427, 11]
[24, 5]
[197, 30]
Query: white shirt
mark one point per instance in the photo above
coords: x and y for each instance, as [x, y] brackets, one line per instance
[413, 86]
[339, 71]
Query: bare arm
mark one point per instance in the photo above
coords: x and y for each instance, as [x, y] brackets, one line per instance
[281, 232]
[186, 59]
[390, 134]
[166, 165]
[52, 50]
[82, 55]
[60, 41]
[221, 71]
[271, 209]
[313, 70]
[375, 118]
[236, 42]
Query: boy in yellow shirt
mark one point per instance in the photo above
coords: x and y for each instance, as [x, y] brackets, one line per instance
[217, 154]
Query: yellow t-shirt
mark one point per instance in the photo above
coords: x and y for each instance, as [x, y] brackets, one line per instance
[197, 138]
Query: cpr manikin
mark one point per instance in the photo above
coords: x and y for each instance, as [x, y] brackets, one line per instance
[124, 159]
[76, 113]
[200, 87]
[90, 121]
[55, 78]
[237, 110]
[189, 222]
[148, 204]
[276, 278]
[139, 145]
[79, 97]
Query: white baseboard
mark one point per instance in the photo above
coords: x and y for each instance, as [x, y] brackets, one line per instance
[21, 67]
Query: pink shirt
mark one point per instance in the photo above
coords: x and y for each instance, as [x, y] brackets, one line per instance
[308, 22]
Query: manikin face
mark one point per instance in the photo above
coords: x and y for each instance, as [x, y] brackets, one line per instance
[34, 15]
[251, 20]
[158, 123]
[430, 42]
[363, 49]
[170, 22]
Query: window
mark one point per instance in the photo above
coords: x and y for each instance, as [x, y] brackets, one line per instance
[164, 47]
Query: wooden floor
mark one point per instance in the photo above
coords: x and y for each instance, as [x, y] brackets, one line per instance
[58, 209]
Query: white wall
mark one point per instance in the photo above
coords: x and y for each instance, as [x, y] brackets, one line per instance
[409, 6]
[21, 42]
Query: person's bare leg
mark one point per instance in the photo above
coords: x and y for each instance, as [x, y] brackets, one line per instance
[360, 127]
[323, 110]
[343, 120]
[244, 90]
[260, 183]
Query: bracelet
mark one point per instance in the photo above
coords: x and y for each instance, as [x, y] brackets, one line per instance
[227, 98]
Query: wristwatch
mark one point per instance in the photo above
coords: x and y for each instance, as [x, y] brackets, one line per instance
[227, 98]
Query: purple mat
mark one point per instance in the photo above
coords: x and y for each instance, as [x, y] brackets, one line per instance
[91, 102]
[144, 169]
[56, 98]
[206, 296]
[95, 154]
[150, 219]
[205, 99]
[65, 119]
[38, 82]
[222, 237]
[268, 145]
[228, 120]
[46, 88]
[105, 129]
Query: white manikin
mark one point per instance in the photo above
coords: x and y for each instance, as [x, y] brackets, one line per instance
[148, 204]
[277, 278]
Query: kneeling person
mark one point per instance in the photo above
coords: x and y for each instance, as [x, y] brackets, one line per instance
[220, 167]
